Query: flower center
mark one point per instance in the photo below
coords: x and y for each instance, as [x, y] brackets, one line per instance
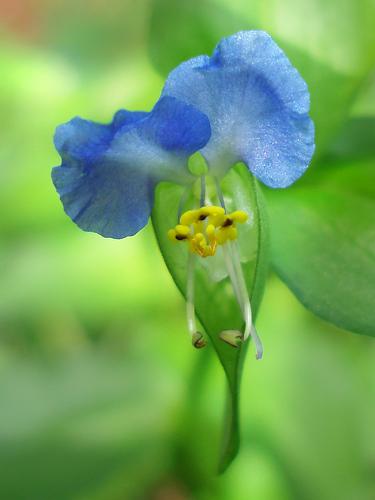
[207, 227]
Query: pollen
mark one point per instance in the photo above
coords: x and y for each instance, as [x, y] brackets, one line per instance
[206, 228]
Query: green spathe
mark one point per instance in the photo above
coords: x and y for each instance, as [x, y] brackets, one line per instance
[215, 303]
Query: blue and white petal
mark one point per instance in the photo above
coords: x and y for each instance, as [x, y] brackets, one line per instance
[257, 104]
[109, 172]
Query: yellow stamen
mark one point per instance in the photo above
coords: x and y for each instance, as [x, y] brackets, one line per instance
[182, 230]
[172, 235]
[217, 220]
[211, 210]
[222, 237]
[239, 216]
[232, 233]
[198, 227]
[206, 228]
[189, 217]
[210, 232]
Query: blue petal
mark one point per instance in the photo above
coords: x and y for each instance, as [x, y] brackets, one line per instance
[109, 172]
[178, 127]
[82, 140]
[257, 104]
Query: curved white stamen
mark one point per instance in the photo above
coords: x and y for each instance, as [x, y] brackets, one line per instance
[232, 275]
[236, 276]
[239, 290]
[239, 285]
[197, 338]
[246, 306]
[257, 342]
[190, 310]
[247, 317]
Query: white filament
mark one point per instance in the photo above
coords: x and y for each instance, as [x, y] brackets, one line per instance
[233, 264]
[232, 275]
[190, 309]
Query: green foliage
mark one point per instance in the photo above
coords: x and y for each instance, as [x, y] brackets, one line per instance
[71, 438]
[95, 37]
[204, 23]
[216, 306]
[356, 140]
[323, 244]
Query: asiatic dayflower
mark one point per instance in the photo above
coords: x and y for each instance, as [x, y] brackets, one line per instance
[245, 103]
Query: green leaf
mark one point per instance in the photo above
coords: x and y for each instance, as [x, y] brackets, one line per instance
[215, 304]
[357, 139]
[172, 41]
[323, 244]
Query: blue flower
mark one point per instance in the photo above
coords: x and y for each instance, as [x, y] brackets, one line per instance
[245, 103]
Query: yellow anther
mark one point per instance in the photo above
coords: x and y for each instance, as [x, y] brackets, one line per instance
[189, 217]
[211, 210]
[222, 236]
[198, 227]
[182, 230]
[210, 231]
[172, 235]
[239, 216]
[206, 228]
[217, 220]
[232, 233]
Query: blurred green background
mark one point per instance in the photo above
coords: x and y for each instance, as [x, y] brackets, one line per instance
[100, 397]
